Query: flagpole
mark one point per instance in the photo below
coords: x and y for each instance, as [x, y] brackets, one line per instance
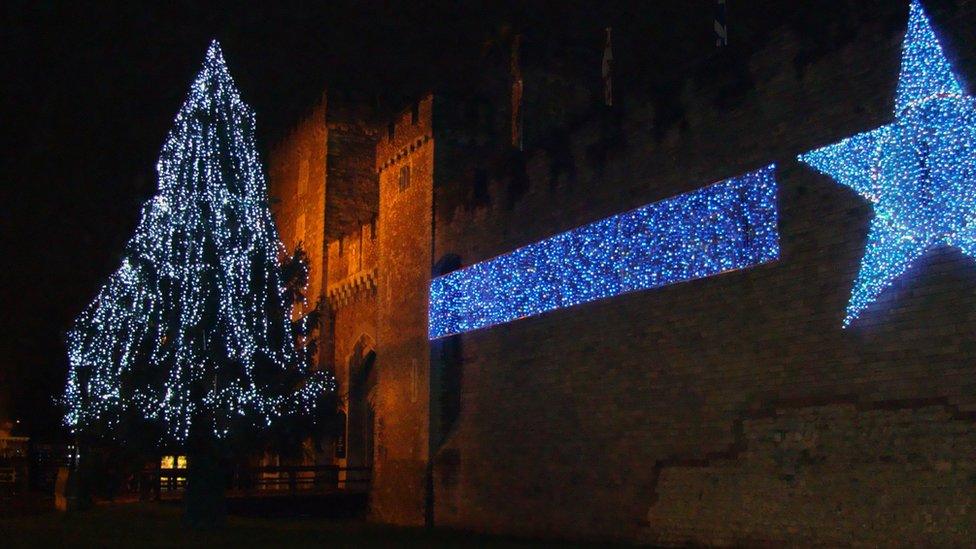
[720, 25]
[607, 70]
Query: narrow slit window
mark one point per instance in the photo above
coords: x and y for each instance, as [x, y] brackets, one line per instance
[404, 180]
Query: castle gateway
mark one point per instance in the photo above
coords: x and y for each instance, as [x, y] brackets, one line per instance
[739, 403]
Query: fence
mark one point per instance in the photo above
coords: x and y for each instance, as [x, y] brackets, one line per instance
[272, 480]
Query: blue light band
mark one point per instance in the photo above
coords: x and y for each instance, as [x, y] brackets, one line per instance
[726, 226]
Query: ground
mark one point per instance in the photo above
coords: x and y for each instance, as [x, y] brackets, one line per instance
[159, 525]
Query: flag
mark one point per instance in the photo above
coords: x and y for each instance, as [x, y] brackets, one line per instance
[721, 30]
[608, 71]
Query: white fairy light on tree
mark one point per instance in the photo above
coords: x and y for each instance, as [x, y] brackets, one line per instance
[195, 326]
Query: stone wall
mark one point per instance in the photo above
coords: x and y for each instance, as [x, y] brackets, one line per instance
[351, 259]
[297, 188]
[324, 193]
[353, 197]
[835, 474]
[354, 336]
[404, 243]
[352, 275]
[616, 419]
[730, 410]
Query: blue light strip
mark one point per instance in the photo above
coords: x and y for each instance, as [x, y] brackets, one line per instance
[729, 225]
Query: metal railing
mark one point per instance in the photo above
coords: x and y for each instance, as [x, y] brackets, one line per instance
[281, 479]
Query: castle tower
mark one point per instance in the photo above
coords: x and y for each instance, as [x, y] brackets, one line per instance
[405, 164]
[297, 167]
[324, 194]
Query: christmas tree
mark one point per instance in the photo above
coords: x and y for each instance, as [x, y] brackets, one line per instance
[194, 335]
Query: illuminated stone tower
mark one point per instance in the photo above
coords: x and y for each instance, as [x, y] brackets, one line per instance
[405, 164]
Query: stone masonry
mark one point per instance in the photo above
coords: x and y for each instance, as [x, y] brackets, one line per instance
[731, 410]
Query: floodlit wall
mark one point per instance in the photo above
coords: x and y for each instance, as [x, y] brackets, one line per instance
[731, 409]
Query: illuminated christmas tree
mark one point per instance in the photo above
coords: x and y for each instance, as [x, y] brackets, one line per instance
[193, 336]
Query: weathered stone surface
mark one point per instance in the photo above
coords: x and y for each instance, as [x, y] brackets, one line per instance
[728, 410]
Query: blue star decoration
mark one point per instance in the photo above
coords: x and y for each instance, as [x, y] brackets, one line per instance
[919, 172]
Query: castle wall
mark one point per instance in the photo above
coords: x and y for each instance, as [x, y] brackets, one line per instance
[732, 409]
[353, 198]
[727, 410]
[404, 266]
[297, 188]
[353, 253]
[352, 275]
[354, 335]
[324, 193]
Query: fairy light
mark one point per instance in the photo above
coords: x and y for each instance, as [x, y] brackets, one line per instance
[917, 172]
[729, 225]
[199, 298]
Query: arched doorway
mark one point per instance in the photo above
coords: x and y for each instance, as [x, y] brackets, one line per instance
[361, 409]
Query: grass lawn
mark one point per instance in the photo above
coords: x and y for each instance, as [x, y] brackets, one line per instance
[159, 525]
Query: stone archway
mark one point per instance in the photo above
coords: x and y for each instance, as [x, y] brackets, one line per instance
[361, 406]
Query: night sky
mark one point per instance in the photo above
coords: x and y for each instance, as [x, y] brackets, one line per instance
[90, 91]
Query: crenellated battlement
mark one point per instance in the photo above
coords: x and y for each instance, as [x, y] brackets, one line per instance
[352, 261]
[405, 133]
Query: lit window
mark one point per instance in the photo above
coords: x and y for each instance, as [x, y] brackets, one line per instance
[172, 462]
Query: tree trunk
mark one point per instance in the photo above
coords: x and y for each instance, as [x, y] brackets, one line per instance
[204, 502]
